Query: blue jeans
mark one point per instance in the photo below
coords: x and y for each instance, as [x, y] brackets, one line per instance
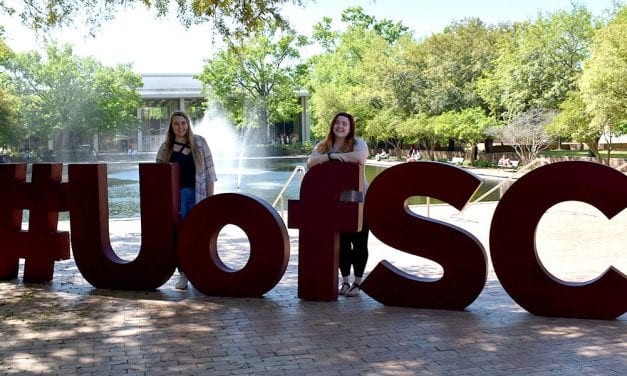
[188, 200]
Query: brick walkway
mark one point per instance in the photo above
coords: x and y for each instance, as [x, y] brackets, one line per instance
[68, 327]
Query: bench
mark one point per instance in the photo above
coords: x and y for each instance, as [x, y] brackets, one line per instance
[457, 160]
[381, 156]
[514, 165]
[508, 163]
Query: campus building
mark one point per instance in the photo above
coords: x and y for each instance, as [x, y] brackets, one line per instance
[164, 93]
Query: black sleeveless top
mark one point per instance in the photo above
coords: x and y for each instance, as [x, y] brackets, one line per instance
[186, 166]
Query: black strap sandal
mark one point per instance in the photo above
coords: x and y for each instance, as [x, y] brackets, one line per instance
[354, 290]
[344, 288]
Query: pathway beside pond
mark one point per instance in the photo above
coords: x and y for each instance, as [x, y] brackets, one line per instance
[492, 172]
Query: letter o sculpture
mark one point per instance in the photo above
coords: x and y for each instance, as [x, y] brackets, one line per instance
[269, 246]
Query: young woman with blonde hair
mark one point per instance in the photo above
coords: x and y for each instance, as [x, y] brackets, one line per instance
[197, 173]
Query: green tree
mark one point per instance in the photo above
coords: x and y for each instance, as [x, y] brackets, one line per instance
[115, 98]
[454, 60]
[228, 17]
[385, 126]
[437, 76]
[256, 78]
[573, 121]
[9, 127]
[391, 31]
[426, 129]
[539, 63]
[71, 97]
[468, 127]
[604, 80]
[349, 75]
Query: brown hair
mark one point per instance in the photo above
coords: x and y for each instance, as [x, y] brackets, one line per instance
[326, 145]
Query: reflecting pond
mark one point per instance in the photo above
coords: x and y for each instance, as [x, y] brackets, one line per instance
[262, 177]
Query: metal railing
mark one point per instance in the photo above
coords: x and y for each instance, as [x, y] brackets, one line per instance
[280, 198]
[535, 163]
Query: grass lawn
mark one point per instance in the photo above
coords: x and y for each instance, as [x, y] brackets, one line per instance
[583, 153]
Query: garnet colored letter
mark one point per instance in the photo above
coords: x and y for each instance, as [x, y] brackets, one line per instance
[321, 216]
[89, 221]
[41, 245]
[461, 255]
[269, 246]
[513, 248]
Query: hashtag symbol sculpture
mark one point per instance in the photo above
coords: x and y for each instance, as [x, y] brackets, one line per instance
[41, 245]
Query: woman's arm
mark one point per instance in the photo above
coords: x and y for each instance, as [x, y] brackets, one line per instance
[161, 154]
[316, 158]
[210, 172]
[358, 155]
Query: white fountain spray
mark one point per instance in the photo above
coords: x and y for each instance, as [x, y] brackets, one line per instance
[224, 142]
[244, 142]
[229, 146]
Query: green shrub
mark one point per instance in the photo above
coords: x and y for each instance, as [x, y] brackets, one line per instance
[481, 163]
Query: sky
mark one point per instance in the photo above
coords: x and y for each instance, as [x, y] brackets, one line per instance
[153, 45]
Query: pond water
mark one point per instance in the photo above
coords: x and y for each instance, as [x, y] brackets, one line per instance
[263, 177]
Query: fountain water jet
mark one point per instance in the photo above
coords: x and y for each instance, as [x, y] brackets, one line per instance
[228, 145]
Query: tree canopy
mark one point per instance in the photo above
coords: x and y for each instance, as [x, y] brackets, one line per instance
[61, 93]
[446, 89]
[538, 63]
[349, 76]
[8, 100]
[255, 78]
[604, 80]
[230, 17]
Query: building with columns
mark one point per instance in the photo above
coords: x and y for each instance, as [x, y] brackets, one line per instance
[164, 93]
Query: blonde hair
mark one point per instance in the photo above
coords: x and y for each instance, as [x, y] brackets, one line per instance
[170, 137]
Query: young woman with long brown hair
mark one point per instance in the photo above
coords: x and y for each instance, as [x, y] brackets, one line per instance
[342, 144]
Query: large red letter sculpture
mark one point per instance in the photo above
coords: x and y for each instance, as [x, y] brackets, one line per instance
[461, 255]
[89, 220]
[269, 246]
[42, 244]
[513, 248]
[321, 216]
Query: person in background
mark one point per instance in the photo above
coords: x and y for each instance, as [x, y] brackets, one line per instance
[197, 173]
[413, 155]
[504, 162]
[383, 155]
[342, 145]
[411, 152]
[93, 155]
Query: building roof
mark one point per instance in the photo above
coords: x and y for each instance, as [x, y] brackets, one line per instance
[170, 85]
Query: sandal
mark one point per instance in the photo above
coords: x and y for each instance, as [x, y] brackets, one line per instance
[354, 290]
[344, 288]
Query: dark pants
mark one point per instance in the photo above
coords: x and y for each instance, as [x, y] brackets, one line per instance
[354, 251]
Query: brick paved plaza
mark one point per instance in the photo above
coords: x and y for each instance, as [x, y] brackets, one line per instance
[69, 327]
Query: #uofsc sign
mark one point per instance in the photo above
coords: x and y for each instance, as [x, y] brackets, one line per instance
[320, 214]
